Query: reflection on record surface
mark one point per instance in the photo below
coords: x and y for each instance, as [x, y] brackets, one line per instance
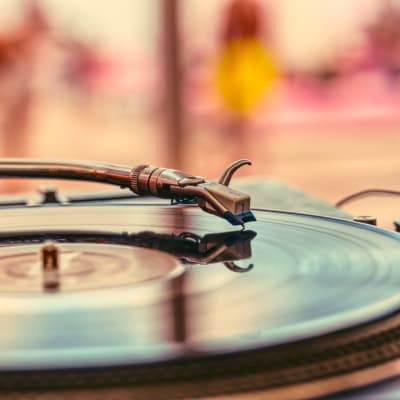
[299, 274]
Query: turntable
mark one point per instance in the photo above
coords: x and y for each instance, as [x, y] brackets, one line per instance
[130, 298]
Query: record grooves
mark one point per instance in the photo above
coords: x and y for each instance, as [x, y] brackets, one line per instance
[297, 306]
[262, 369]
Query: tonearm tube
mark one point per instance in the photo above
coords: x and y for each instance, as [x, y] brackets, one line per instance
[213, 197]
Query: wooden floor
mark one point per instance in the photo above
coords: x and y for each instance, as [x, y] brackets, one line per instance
[329, 162]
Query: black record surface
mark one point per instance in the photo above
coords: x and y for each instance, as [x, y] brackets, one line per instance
[312, 277]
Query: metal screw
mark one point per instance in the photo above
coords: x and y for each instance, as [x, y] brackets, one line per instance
[365, 219]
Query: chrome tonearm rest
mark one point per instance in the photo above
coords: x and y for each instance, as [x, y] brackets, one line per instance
[182, 188]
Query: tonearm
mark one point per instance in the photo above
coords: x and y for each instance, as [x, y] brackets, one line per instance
[182, 188]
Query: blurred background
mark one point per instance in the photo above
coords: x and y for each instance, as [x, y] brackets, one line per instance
[309, 90]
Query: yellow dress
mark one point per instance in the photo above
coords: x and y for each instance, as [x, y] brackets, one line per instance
[245, 71]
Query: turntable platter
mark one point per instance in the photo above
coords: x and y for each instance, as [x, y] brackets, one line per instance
[83, 267]
[326, 282]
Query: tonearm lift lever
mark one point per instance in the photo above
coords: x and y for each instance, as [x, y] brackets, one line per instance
[182, 188]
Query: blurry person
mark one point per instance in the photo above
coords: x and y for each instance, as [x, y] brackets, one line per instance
[17, 59]
[246, 68]
[384, 42]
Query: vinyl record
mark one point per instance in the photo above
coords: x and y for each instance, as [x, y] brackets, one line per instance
[171, 300]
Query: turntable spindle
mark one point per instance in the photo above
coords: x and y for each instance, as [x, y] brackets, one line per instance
[50, 266]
